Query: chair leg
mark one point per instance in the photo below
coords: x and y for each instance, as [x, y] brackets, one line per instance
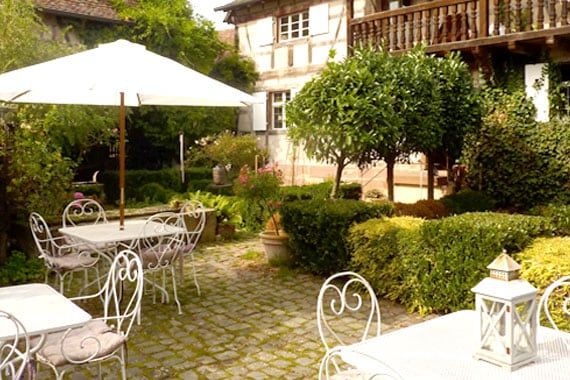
[163, 300]
[61, 279]
[173, 269]
[123, 362]
[99, 371]
[194, 274]
[181, 269]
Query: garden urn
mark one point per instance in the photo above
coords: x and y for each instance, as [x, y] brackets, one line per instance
[507, 316]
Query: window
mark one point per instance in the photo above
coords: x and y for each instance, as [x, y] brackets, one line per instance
[278, 101]
[294, 26]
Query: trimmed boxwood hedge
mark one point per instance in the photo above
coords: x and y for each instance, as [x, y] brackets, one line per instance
[167, 178]
[559, 216]
[377, 246]
[321, 191]
[441, 260]
[318, 229]
[545, 261]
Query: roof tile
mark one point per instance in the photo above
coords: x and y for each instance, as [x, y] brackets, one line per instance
[100, 9]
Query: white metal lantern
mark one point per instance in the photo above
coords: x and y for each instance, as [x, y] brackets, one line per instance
[507, 312]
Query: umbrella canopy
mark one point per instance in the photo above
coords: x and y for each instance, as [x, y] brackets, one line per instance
[98, 76]
[122, 74]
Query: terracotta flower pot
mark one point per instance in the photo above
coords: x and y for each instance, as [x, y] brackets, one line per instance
[276, 248]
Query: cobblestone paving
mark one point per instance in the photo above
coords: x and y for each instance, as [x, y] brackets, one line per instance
[251, 322]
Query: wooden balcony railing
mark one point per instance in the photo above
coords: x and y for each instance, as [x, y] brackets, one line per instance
[443, 22]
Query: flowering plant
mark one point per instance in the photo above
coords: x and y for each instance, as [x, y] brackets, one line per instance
[262, 187]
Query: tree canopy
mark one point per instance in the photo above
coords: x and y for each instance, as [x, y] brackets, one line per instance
[340, 114]
[374, 105]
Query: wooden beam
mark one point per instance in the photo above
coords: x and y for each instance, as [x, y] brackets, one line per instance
[519, 47]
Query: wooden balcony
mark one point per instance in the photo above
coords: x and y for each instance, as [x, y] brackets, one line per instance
[445, 25]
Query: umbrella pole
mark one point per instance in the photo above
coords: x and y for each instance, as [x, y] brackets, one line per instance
[122, 162]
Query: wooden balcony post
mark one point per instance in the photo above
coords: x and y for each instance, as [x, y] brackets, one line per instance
[483, 18]
[349, 28]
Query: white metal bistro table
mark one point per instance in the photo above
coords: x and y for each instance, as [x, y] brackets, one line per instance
[97, 235]
[40, 308]
[443, 348]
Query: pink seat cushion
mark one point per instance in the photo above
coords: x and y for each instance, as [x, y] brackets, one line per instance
[72, 261]
[161, 256]
[94, 340]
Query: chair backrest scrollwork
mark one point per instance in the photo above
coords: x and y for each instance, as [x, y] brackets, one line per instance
[353, 297]
[555, 296]
[42, 236]
[83, 208]
[193, 217]
[14, 352]
[161, 240]
[125, 269]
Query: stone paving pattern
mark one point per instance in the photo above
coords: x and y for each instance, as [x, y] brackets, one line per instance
[251, 322]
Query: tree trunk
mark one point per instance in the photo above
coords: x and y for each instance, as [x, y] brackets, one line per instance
[390, 162]
[431, 183]
[336, 185]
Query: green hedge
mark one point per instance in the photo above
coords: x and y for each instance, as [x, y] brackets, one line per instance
[559, 216]
[545, 261]
[321, 191]
[377, 246]
[91, 190]
[317, 230]
[443, 259]
[167, 178]
[468, 201]
[427, 209]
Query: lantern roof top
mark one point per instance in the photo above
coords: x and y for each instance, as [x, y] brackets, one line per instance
[505, 290]
[504, 263]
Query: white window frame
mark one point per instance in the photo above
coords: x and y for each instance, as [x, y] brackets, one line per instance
[279, 105]
[287, 27]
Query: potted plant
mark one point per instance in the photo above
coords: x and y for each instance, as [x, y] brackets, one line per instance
[264, 188]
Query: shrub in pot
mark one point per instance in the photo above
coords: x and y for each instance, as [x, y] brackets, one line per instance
[263, 187]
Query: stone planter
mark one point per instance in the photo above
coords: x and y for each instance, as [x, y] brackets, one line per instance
[276, 248]
[226, 231]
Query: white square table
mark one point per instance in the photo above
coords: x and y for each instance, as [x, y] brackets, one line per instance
[442, 348]
[40, 308]
[97, 235]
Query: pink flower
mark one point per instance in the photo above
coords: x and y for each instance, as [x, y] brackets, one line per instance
[78, 195]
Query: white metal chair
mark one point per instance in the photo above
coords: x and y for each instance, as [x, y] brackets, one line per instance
[556, 295]
[14, 353]
[59, 256]
[347, 299]
[159, 248]
[333, 367]
[193, 217]
[103, 338]
[80, 209]
[344, 295]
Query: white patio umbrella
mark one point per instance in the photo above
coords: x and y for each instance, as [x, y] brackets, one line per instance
[121, 74]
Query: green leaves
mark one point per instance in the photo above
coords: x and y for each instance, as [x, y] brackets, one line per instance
[317, 230]
[375, 105]
[430, 266]
[516, 160]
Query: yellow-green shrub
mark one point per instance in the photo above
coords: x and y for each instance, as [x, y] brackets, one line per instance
[543, 262]
[377, 247]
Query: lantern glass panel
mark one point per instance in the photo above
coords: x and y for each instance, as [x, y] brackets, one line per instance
[522, 328]
[495, 325]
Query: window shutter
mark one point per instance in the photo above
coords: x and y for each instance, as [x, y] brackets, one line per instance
[260, 111]
[264, 31]
[319, 19]
[539, 96]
